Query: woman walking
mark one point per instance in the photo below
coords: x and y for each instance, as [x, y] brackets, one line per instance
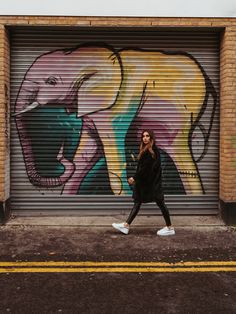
[147, 184]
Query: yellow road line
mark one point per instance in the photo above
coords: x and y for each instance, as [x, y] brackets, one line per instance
[117, 269]
[105, 267]
[112, 264]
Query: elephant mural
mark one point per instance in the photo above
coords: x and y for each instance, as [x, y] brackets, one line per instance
[104, 92]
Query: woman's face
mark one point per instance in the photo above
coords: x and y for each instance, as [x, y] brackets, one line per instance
[146, 138]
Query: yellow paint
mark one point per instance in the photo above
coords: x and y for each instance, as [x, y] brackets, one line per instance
[177, 80]
[117, 269]
[174, 78]
[121, 267]
[100, 90]
[99, 264]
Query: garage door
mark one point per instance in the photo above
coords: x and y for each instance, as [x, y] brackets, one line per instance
[79, 100]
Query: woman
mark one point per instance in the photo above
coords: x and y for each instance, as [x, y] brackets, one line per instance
[147, 184]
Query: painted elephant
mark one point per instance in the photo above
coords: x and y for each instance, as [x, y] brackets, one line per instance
[109, 89]
[170, 87]
[74, 79]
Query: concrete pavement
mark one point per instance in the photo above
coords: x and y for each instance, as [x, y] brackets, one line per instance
[151, 221]
[39, 257]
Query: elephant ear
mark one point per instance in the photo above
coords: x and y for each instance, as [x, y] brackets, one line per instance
[99, 87]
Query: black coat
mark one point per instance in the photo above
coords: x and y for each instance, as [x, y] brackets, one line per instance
[148, 178]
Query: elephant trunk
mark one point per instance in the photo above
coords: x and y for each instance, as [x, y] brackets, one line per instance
[25, 103]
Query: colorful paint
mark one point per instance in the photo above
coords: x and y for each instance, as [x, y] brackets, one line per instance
[79, 120]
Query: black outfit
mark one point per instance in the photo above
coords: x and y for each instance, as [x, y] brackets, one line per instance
[148, 184]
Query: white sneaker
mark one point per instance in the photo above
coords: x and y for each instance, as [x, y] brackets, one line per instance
[166, 231]
[121, 227]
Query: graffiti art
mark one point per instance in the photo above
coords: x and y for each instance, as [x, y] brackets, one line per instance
[80, 111]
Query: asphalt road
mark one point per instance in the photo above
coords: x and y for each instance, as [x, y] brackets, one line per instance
[148, 274]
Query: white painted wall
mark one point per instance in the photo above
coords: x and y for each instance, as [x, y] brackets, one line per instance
[148, 8]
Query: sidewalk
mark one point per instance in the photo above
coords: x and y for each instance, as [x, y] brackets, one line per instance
[93, 238]
[106, 221]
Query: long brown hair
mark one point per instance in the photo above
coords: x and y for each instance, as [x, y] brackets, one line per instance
[144, 147]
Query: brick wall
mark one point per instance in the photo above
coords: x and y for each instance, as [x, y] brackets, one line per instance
[228, 115]
[4, 114]
[227, 81]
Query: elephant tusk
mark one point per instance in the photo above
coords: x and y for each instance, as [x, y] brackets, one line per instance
[32, 106]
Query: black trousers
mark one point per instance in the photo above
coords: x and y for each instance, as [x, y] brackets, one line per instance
[160, 204]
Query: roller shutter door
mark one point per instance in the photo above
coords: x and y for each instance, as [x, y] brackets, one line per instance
[80, 98]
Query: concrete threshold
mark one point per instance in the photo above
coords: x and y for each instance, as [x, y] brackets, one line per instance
[106, 221]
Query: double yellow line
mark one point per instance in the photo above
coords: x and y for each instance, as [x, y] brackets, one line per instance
[121, 267]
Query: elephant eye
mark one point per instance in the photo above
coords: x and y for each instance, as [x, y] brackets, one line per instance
[51, 80]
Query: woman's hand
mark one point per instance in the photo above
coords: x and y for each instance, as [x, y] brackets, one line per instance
[131, 180]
